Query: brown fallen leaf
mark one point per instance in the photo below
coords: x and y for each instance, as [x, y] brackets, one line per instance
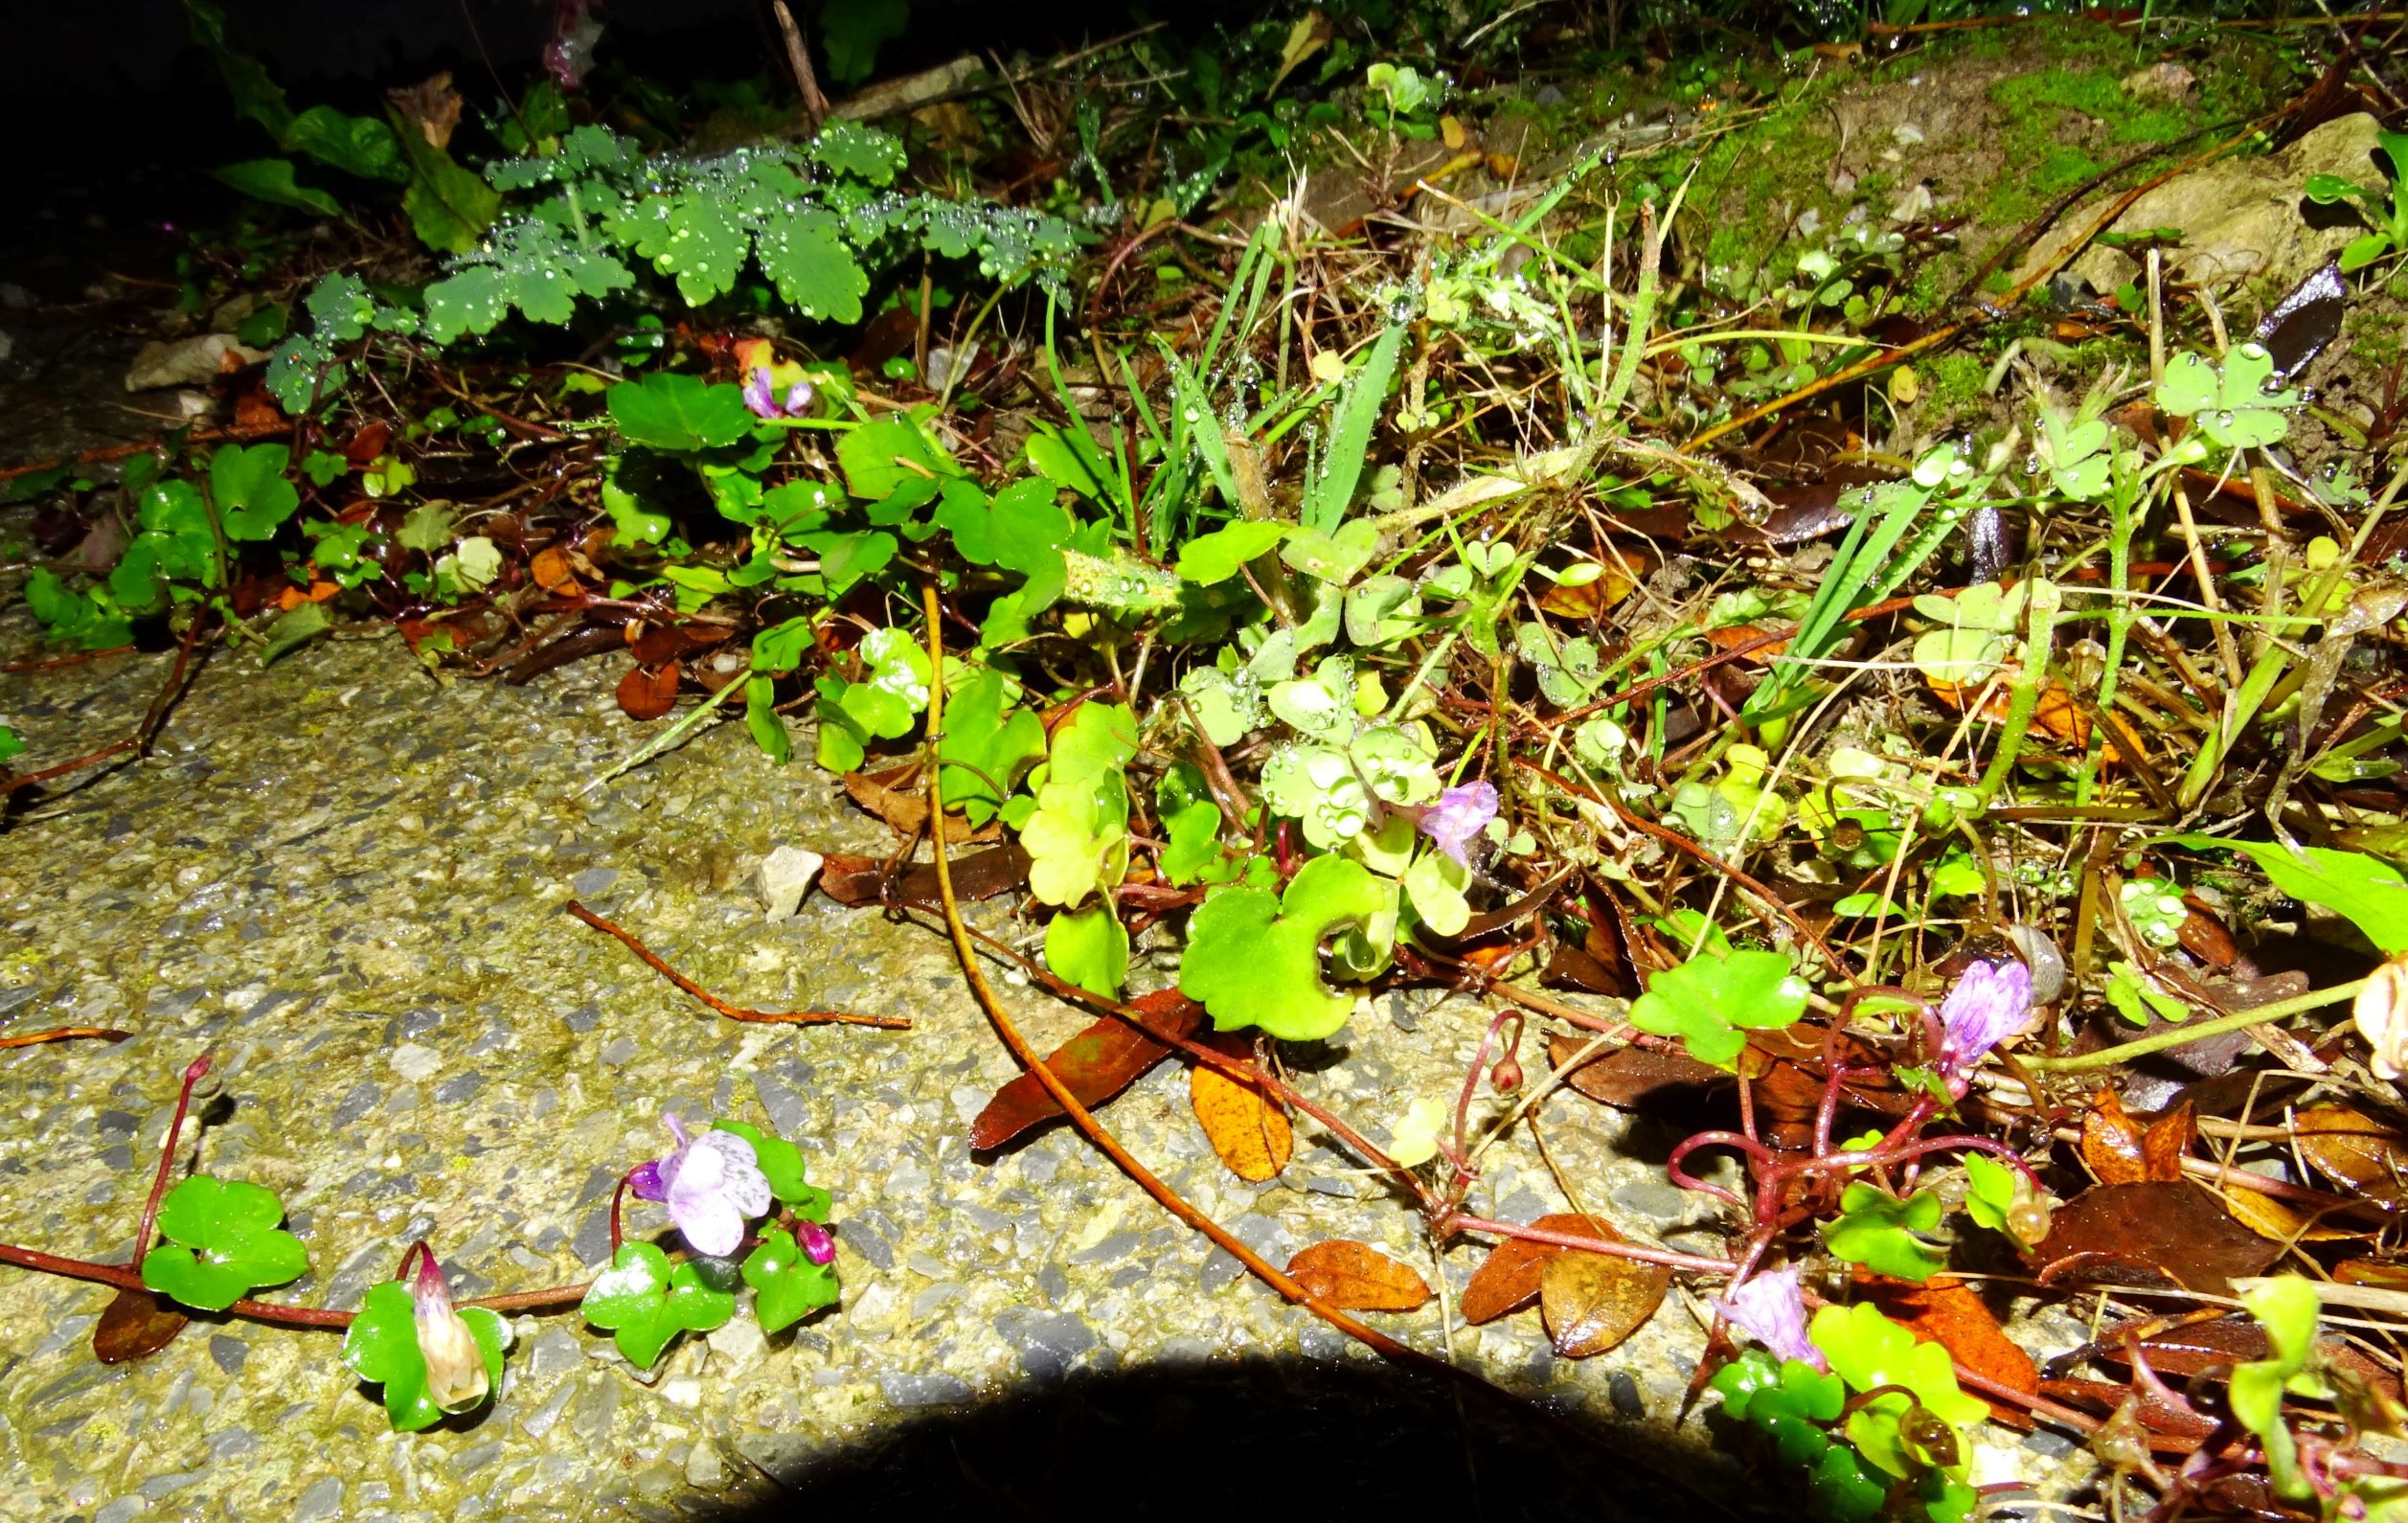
[135, 1324]
[2111, 1141]
[649, 695]
[1096, 1065]
[2276, 1220]
[552, 572]
[1507, 1280]
[2154, 1233]
[1945, 1310]
[1244, 1124]
[2354, 1151]
[658, 644]
[1593, 1301]
[1628, 1077]
[853, 881]
[899, 795]
[2167, 1142]
[1357, 1277]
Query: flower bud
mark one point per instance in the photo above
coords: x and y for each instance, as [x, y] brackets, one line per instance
[1506, 1075]
[2381, 1014]
[456, 1377]
[2028, 1221]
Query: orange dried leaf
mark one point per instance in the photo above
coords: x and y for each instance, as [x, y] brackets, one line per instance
[2111, 1141]
[2354, 1151]
[1507, 1280]
[135, 1325]
[2275, 1220]
[1949, 1312]
[2167, 1141]
[552, 571]
[1358, 1277]
[1593, 1301]
[1245, 1127]
[649, 695]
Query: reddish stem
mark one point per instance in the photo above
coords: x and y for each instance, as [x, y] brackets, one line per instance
[192, 1075]
[269, 1311]
[617, 1193]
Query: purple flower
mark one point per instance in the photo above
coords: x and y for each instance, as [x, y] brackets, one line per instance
[1989, 1004]
[761, 397]
[818, 1245]
[1460, 812]
[1770, 1309]
[456, 1377]
[712, 1184]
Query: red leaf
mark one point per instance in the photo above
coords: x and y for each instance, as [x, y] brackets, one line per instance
[2154, 1233]
[1947, 1311]
[1095, 1064]
[2111, 1141]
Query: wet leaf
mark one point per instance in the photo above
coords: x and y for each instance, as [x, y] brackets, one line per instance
[2305, 321]
[223, 1243]
[1245, 1127]
[1507, 1280]
[853, 881]
[2154, 1233]
[1947, 1311]
[552, 572]
[135, 1324]
[2167, 1142]
[2353, 1151]
[1626, 1078]
[1358, 1277]
[1593, 1301]
[1095, 1064]
[2276, 1220]
[649, 695]
[2111, 1141]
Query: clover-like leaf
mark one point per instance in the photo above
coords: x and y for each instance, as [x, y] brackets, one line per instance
[1991, 1190]
[1709, 1000]
[223, 1243]
[646, 1304]
[782, 1165]
[2231, 403]
[679, 413]
[2076, 452]
[1253, 957]
[1877, 1230]
[788, 1286]
[1869, 1350]
[253, 496]
[1226, 704]
[1077, 839]
[879, 456]
[1435, 885]
[802, 251]
[381, 1346]
[1090, 946]
[1216, 556]
[1321, 705]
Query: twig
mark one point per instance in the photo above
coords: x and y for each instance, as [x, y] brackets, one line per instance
[799, 58]
[733, 1012]
[60, 1033]
[2193, 1030]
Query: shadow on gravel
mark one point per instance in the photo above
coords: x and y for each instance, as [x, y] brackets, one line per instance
[1315, 1440]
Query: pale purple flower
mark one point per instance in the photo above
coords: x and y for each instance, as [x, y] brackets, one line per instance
[1460, 812]
[761, 395]
[1771, 1309]
[1989, 1004]
[712, 1185]
[456, 1377]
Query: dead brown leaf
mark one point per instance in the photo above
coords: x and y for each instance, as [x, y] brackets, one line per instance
[1245, 1126]
[2353, 1151]
[853, 881]
[2153, 1232]
[644, 694]
[2111, 1141]
[135, 1324]
[1357, 1277]
[1507, 1280]
[1593, 1301]
[1626, 1078]
[431, 105]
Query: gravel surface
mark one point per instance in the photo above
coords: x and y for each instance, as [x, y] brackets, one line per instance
[348, 884]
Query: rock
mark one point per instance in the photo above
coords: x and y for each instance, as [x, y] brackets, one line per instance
[782, 879]
[2240, 219]
[2163, 80]
[923, 1390]
[188, 362]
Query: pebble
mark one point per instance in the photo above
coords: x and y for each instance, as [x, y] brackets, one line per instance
[923, 1390]
[322, 1498]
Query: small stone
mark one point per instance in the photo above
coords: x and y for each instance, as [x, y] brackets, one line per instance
[923, 1390]
[553, 1351]
[322, 1498]
[470, 1460]
[414, 1061]
[585, 1018]
[705, 1470]
[593, 880]
[228, 1352]
[783, 878]
[123, 1510]
[618, 1050]
[1653, 1199]
[455, 1091]
[683, 1392]
[1623, 1390]
[739, 1343]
